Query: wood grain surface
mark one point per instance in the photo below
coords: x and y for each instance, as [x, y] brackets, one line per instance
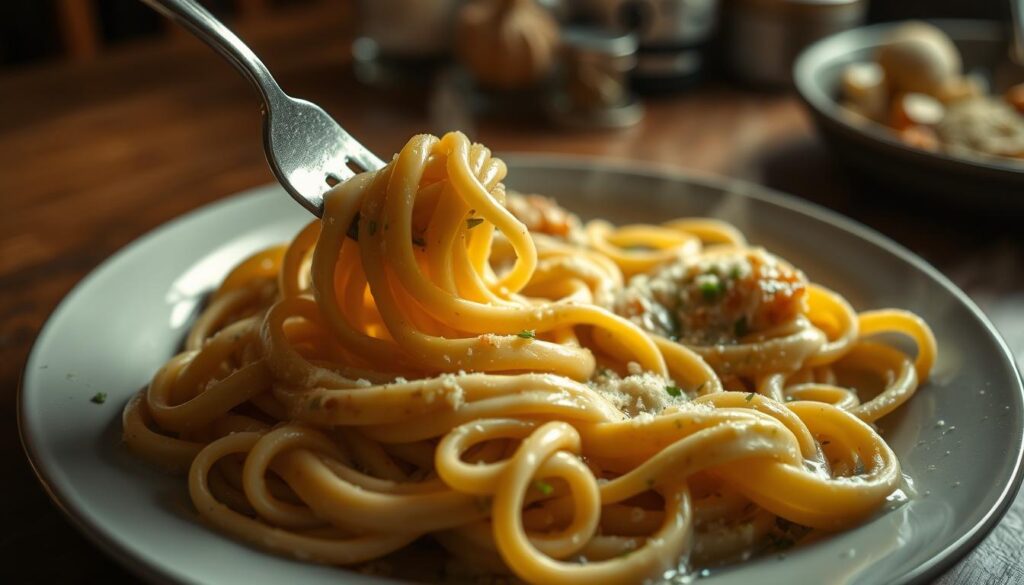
[94, 155]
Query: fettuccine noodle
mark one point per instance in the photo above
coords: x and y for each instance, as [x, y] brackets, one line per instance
[568, 403]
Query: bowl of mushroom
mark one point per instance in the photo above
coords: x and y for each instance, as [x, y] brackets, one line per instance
[932, 110]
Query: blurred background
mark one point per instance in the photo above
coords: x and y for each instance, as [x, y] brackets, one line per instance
[113, 121]
[33, 31]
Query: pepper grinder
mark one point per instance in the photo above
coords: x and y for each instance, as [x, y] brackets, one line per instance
[592, 85]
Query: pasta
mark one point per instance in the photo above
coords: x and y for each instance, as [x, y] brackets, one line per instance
[567, 402]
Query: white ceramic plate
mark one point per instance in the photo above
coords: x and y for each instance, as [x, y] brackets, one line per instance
[960, 438]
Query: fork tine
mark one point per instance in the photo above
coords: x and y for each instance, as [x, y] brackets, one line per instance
[360, 155]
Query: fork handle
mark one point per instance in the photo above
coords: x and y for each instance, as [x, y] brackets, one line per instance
[211, 31]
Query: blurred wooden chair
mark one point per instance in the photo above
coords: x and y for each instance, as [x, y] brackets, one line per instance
[79, 28]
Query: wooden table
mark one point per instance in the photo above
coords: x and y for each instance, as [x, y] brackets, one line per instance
[95, 155]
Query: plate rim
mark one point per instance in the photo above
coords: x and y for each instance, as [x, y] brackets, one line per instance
[944, 559]
[94, 535]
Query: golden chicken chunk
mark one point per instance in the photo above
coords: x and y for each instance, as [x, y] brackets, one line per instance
[542, 214]
[718, 298]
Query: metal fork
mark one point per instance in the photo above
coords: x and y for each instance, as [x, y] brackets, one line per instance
[307, 150]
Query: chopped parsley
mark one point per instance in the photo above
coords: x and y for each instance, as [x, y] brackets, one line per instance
[674, 390]
[543, 487]
[99, 398]
[750, 397]
[741, 327]
[527, 334]
[734, 272]
[473, 222]
[711, 288]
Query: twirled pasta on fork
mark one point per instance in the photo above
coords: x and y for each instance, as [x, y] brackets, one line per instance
[569, 402]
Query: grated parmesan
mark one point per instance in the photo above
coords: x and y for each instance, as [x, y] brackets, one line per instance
[637, 394]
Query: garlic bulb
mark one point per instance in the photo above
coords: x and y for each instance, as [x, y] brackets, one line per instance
[919, 57]
[506, 44]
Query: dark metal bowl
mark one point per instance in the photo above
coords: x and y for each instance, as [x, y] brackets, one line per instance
[986, 184]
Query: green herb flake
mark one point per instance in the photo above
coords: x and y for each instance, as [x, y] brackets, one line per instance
[99, 398]
[473, 222]
[675, 391]
[711, 289]
[527, 334]
[373, 227]
[419, 241]
[741, 327]
[701, 387]
[734, 272]
[314, 403]
[650, 483]
[543, 487]
[750, 397]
